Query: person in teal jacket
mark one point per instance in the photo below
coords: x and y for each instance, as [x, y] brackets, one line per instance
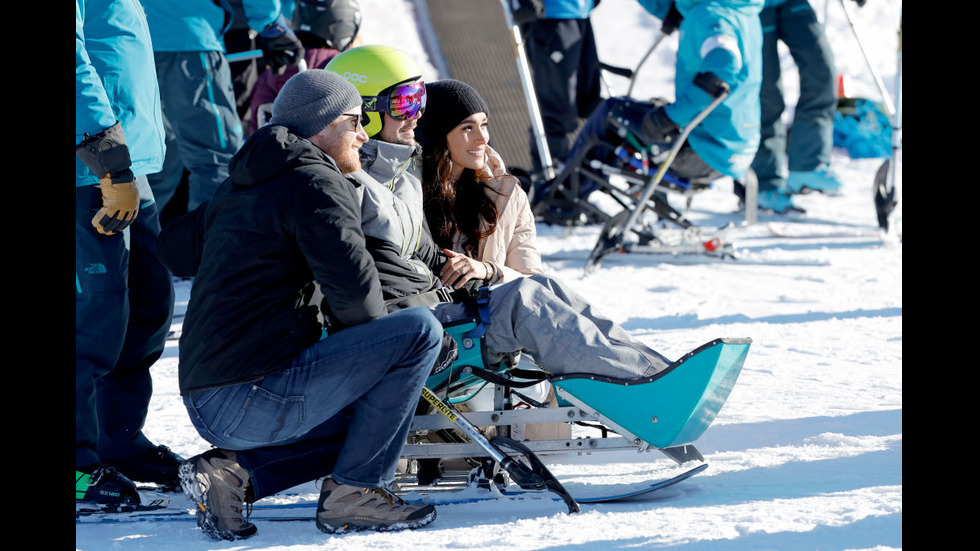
[123, 294]
[720, 42]
[719, 48]
[200, 111]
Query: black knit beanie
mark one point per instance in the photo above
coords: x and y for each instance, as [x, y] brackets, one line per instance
[448, 102]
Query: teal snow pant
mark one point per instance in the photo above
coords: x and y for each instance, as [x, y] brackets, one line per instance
[123, 307]
[200, 116]
[795, 24]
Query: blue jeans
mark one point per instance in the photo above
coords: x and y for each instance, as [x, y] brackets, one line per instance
[363, 380]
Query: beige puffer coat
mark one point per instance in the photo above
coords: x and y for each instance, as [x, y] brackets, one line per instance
[513, 246]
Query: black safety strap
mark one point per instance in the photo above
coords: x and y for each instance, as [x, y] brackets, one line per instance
[507, 379]
[482, 303]
[428, 298]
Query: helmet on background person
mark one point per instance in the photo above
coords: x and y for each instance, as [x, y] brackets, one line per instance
[388, 80]
[336, 22]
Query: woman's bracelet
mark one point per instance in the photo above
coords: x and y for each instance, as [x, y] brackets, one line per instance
[491, 270]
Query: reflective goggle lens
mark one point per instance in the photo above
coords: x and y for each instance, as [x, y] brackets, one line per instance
[407, 100]
[403, 102]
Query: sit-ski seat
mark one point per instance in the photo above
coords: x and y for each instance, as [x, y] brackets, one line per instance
[601, 162]
[672, 408]
[458, 383]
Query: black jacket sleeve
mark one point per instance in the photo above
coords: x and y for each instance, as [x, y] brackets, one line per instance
[327, 228]
[429, 253]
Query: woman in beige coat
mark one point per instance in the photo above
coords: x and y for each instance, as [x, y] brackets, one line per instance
[476, 211]
[473, 207]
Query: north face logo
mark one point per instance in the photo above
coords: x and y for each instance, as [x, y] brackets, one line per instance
[95, 268]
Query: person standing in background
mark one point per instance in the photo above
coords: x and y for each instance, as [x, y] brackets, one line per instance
[123, 294]
[200, 113]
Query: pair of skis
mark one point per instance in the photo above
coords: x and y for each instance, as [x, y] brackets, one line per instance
[532, 477]
[182, 510]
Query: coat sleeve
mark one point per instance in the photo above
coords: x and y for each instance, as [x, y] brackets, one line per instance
[327, 228]
[93, 111]
[523, 257]
[181, 241]
[427, 252]
[720, 53]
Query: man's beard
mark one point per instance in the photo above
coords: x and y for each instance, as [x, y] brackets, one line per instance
[348, 161]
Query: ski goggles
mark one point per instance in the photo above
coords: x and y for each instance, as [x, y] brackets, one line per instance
[402, 102]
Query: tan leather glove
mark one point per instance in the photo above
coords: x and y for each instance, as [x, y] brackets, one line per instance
[107, 156]
[120, 205]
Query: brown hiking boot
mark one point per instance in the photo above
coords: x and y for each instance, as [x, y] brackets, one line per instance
[347, 508]
[217, 483]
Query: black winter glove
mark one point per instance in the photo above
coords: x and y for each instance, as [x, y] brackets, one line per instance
[657, 127]
[280, 45]
[672, 20]
[627, 112]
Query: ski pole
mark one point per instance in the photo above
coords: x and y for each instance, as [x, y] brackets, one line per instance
[885, 196]
[665, 164]
[629, 91]
[611, 237]
[897, 124]
[874, 74]
[243, 56]
[256, 54]
[544, 153]
[538, 478]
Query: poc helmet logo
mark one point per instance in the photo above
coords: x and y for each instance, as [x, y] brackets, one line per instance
[354, 77]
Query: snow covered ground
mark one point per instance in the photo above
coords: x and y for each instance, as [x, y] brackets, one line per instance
[807, 452]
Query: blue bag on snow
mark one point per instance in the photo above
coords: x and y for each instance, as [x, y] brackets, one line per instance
[862, 127]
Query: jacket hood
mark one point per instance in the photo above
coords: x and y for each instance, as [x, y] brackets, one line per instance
[271, 151]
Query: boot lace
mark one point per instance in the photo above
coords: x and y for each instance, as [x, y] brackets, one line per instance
[390, 498]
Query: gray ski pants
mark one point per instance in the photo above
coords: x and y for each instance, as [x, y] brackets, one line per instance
[543, 317]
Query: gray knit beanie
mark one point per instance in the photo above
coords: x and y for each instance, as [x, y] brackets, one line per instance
[311, 100]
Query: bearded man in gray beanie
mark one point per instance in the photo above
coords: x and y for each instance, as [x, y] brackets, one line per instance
[289, 362]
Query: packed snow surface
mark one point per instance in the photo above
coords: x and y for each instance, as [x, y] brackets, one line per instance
[806, 453]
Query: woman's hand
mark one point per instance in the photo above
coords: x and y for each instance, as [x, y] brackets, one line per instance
[460, 268]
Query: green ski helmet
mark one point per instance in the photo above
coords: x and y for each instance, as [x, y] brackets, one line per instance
[375, 70]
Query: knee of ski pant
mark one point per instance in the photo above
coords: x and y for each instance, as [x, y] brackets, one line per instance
[548, 282]
[526, 294]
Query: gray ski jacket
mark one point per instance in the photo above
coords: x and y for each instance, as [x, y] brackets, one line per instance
[392, 220]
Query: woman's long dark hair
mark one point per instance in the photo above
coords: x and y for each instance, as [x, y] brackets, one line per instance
[456, 207]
